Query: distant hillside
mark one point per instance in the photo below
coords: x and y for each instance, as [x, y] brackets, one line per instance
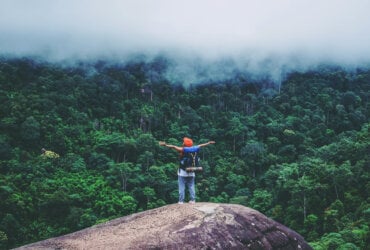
[298, 152]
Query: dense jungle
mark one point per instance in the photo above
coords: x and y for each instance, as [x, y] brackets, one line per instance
[297, 151]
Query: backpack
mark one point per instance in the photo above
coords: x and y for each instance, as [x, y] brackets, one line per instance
[190, 160]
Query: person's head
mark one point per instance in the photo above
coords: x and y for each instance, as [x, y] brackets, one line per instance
[187, 142]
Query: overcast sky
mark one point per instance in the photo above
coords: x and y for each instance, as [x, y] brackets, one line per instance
[310, 30]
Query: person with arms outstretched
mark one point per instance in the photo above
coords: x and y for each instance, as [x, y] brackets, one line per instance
[189, 163]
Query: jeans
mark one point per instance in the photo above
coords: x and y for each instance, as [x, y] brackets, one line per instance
[187, 181]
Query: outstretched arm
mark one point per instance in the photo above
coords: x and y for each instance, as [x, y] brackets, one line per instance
[162, 143]
[207, 143]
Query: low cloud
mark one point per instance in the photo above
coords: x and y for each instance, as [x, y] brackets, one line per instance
[264, 36]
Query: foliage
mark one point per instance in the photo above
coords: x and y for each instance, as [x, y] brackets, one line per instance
[300, 155]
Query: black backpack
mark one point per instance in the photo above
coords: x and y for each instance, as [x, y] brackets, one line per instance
[190, 160]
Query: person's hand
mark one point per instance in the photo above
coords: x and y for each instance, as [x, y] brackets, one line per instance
[211, 142]
[162, 143]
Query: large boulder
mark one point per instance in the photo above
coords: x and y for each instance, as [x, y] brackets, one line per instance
[187, 226]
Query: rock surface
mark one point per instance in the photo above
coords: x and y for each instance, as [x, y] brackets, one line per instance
[187, 226]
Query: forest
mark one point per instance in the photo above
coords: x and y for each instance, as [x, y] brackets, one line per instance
[298, 152]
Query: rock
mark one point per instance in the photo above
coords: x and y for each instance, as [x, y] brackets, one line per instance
[187, 226]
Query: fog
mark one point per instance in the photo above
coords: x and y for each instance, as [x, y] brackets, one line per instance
[266, 37]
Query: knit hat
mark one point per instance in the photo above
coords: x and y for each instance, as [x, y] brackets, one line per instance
[187, 142]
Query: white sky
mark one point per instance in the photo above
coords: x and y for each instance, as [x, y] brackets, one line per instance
[315, 30]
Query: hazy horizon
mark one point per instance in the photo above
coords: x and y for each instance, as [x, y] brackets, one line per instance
[262, 36]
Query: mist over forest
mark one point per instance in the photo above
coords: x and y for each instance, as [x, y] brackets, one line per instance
[202, 41]
[207, 39]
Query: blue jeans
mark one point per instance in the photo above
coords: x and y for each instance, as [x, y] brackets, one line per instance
[187, 181]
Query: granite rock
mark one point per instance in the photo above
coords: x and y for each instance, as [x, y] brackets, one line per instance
[187, 226]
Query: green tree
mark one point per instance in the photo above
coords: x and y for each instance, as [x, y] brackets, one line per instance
[30, 132]
[235, 129]
[253, 153]
[261, 200]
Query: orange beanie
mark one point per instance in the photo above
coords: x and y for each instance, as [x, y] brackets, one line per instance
[187, 142]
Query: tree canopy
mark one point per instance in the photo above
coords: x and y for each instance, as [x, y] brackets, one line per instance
[298, 152]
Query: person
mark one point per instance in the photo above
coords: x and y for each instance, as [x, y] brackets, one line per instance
[48, 154]
[186, 178]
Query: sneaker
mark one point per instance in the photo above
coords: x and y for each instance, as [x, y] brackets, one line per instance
[192, 202]
[180, 202]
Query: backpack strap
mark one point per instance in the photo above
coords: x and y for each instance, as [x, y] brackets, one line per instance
[193, 156]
